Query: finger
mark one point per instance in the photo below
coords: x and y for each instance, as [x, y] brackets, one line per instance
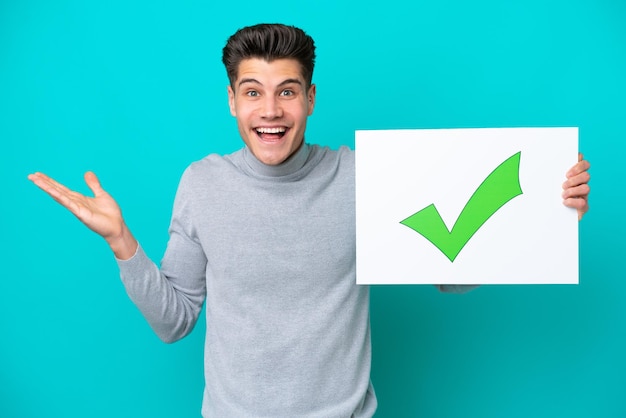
[94, 184]
[577, 180]
[580, 156]
[48, 184]
[39, 178]
[575, 202]
[581, 191]
[580, 205]
[581, 166]
[69, 199]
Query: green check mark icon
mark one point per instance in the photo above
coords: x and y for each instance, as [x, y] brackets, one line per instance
[495, 191]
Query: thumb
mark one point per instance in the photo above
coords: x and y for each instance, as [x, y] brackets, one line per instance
[94, 184]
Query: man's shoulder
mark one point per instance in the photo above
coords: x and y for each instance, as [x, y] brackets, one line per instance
[213, 162]
[208, 169]
[338, 163]
[342, 149]
[342, 153]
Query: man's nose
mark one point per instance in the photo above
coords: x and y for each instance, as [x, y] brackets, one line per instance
[270, 107]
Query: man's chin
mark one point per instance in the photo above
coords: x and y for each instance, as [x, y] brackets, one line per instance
[275, 156]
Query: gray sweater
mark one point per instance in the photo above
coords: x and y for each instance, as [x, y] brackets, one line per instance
[272, 249]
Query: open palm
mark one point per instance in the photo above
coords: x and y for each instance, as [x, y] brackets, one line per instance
[100, 213]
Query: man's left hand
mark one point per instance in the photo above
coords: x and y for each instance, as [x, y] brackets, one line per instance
[576, 187]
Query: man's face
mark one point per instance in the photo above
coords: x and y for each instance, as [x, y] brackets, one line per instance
[271, 103]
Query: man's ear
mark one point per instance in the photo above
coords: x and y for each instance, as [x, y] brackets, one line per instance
[231, 101]
[311, 98]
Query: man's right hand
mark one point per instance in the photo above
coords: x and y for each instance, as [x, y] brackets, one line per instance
[100, 213]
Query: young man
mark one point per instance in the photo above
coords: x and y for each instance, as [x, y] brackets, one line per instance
[267, 236]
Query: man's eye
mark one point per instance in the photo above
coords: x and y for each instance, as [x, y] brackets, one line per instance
[252, 93]
[287, 93]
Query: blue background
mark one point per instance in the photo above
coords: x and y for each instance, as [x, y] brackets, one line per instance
[136, 91]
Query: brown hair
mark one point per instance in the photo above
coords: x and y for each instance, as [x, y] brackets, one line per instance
[269, 42]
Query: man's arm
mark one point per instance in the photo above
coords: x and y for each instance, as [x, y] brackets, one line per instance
[170, 301]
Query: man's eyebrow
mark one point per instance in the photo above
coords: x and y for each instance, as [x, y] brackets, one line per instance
[248, 80]
[282, 83]
[291, 81]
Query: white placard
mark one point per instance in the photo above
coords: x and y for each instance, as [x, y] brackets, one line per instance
[500, 188]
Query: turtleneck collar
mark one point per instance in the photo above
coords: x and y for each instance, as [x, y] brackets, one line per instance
[288, 167]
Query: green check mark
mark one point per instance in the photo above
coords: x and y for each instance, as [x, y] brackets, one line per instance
[494, 192]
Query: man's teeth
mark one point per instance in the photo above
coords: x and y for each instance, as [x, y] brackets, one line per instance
[270, 130]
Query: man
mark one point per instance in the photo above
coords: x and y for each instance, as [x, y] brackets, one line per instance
[267, 236]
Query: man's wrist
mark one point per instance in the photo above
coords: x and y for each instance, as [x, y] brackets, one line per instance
[123, 246]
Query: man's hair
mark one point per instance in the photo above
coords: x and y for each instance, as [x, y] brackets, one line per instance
[269, 42]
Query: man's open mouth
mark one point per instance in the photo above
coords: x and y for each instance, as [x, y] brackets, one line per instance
[271, 133]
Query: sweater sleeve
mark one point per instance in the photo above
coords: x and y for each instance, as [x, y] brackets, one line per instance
[456, 288]
[170, 298]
